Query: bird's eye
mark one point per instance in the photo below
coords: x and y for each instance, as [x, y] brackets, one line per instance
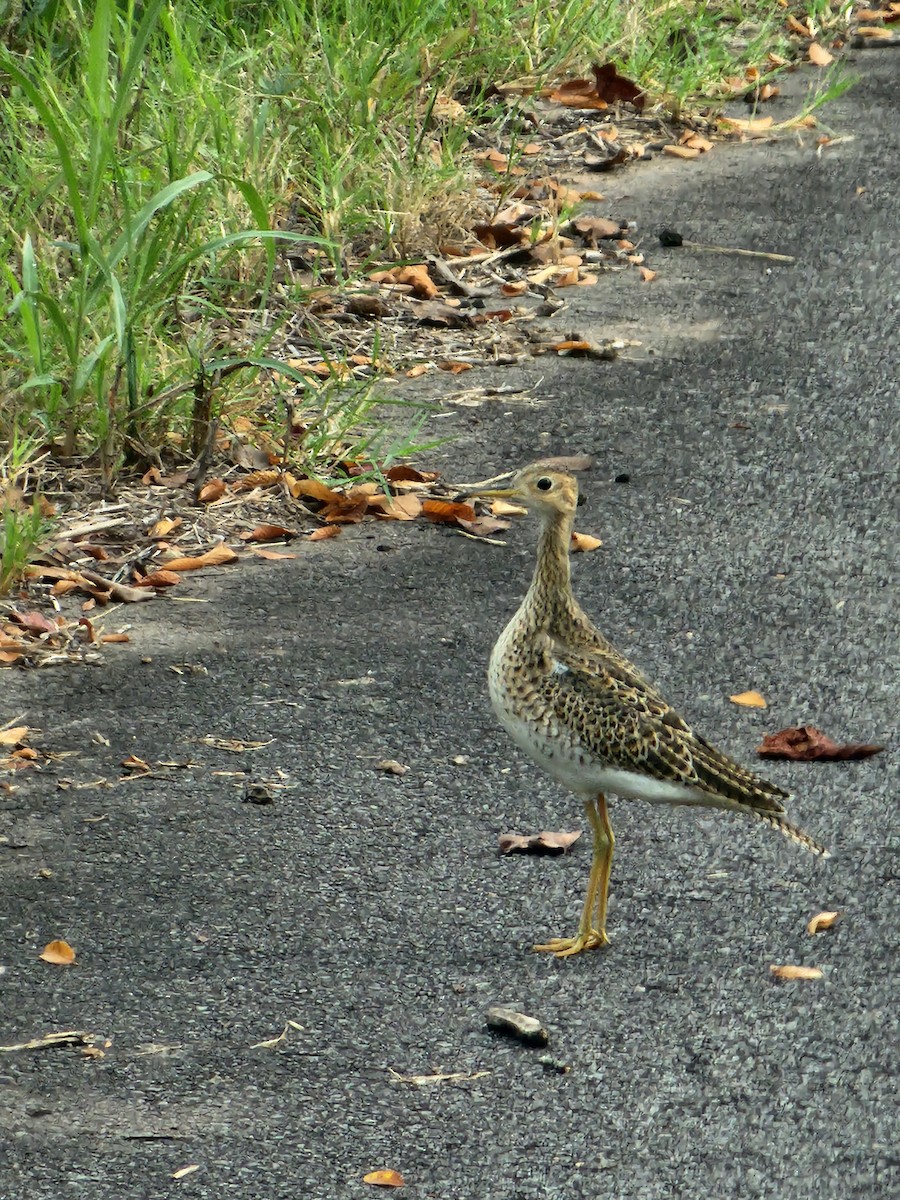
[544, 484]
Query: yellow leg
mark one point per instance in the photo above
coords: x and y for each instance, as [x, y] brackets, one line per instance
[591, 933]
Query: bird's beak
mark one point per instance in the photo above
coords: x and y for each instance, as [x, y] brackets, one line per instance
[489, 489]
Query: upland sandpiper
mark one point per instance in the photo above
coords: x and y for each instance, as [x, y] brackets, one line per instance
[588, 717]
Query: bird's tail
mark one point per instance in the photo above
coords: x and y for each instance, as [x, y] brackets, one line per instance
[794, 832]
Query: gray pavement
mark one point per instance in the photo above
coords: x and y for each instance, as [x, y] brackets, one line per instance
[754, 547]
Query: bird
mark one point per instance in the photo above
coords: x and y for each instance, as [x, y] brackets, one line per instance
[588, 717]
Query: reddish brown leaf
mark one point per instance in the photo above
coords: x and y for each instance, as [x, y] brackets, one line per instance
[583, 543]
[59, 953]
[273, 555]
[484, 526]
[268, 533]
[327, 531]
[578, 93]
[593, 228]
[538, 843]
[34, 622]
[404, 474]
[214, 490]
[808, 744]
[819, 56]
[212, 558]
[447, 512]
[791, 972]
[384, 1178]
[611, 86]
[110, 638]
[158, 579]
[822, 920]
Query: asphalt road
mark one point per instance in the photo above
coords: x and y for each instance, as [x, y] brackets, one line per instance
[754, 547]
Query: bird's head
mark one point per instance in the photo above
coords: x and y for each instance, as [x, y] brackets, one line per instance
[544, 489]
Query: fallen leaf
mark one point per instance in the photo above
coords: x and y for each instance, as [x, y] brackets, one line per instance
[405, 474]
[808, 744]
[215, 557]
[447, 512]
[798, 27]
[391, 767]
[268, 533]
[646, 274]
[272, 555]
[611, 86]
[114, 637]
[164, 527]
[59, 953]
[34, 622]
[681, 151]
[158, 579]
[136, 765]
[583, 543]
[417, 370]
[414, 276]
[822, 920]
[538, 843]
[750, 125]
[515, 289]
[484, 527]
[789, 972]
[819, 56]
[597, 227]
[571, 347]
[396, 508]
[327, 531]
[503, 508]
[212, 491]
[454, 368]
[311, 488]
[384, 1178]
[182, 1171]
[577, 93]
[12, 737]
[749, 700]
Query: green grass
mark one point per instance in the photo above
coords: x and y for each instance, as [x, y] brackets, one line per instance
[158, 155]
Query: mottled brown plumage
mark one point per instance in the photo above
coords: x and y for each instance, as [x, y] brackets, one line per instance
[584, 712]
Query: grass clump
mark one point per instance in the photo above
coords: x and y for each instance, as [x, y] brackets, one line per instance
[159, 155]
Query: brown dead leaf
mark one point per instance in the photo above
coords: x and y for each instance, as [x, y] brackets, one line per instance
[577, 93]
[396, 508]
[696, 141]
[111, 638]
[215, 557]
[515, 289]
[273, 555]
[418, 370]
[12, 737]
[583, 543]
[545, 842]
[268, 533]
[164, 527]
[311, 488]
[819, 56]
[59, 953]
[158, 579]
[503, 508]
[646, 274]
[212, 491]
[798, 27]
[597, 227]
[572, 346]
[34, 622]
[808, 744]
[384, 1178]
[454, 368]
[484, 527]
[749, 700]
[874, 31]
[790, 972]
[612, 87]
[136, 765]
[447, 512]
[390, 766]
[499, 235]
[822, 920]
[406, 474]
[750, 125]
[681, 151]
[414, 276]
[327, 531]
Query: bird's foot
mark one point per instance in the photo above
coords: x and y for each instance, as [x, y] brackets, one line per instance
[593, 939]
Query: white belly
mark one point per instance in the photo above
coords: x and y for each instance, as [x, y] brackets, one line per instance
[576, 768]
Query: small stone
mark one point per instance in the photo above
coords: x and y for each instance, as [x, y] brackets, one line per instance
[517, 1025]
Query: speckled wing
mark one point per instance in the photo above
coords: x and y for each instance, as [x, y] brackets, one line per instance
[623, 721]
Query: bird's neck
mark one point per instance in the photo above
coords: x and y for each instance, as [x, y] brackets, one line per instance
[550, 595]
